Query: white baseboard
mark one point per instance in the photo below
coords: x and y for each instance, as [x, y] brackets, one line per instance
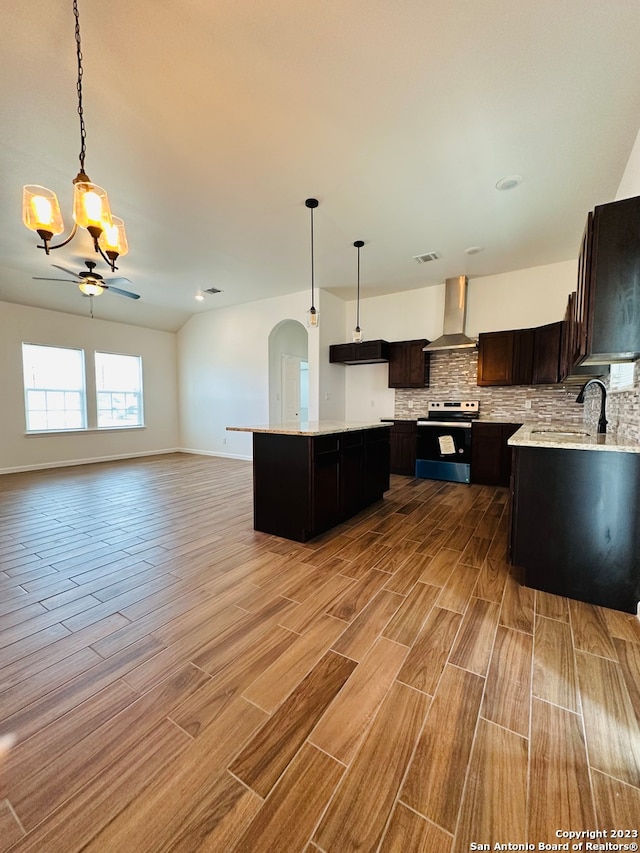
[215, 453]
[68, 463]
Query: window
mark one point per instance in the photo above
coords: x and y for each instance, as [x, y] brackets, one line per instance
[621, 376]
[119, 390]
[54, 388]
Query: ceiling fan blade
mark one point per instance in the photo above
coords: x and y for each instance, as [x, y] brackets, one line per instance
[118, 280]
[64, 269]
[42, 278]
[121, 292]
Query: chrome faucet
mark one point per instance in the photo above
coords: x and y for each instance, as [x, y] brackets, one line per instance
[602, 422]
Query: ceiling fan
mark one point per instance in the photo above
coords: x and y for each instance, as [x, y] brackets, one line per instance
[92, 283]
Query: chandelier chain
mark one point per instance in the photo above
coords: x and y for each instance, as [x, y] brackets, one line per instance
[83, 133]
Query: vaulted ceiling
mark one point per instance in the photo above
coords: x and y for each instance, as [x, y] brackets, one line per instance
[209, 123]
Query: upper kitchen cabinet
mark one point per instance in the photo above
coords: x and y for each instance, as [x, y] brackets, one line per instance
[495, 358]
[608, 296]
[547, 352]
[520, 356]
[367, 352]
[408, 364]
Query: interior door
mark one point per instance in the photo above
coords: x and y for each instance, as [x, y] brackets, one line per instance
[291, 397]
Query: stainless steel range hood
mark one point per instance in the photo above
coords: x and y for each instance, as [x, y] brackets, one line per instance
[455, 314]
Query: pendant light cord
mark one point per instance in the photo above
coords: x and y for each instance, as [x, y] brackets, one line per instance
[312, 270]
[358, 302]
[83, 132]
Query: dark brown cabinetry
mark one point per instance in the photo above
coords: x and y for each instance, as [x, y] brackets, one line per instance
[495, 358]
[304, 485]
[490, 453]
[520, 356]
[608, 296]
[568, 539]
[408, 364]
[404, 435]
[547, 348]
[367, 352]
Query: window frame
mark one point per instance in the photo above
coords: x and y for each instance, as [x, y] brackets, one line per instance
[82, 391]
[139, 393]
[618, 381]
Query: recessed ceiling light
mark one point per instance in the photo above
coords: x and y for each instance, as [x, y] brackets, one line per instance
[509, 182]
[473, 250]
[199, 296]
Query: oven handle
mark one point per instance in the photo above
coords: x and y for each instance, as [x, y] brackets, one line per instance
[457, 424]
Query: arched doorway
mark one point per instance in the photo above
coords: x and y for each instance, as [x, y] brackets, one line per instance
[288, 372]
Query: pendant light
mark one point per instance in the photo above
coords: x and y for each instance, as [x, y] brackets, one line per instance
[357, 332]
[312, 317]
[91, 210]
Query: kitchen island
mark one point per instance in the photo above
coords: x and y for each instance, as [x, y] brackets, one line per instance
[575, 527]
[310, 476]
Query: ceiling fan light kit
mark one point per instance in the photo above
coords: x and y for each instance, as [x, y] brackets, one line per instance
[91, 210]
[92, 283]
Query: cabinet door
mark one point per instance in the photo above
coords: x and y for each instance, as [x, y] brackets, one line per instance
[408, 364]
[403, 448]
[495, 358]
[546, 362]
[342, 353]
[523, 356]
[398, 355]
[613, 303]
[376, 463]
[325, 486]
[351, 473]
[490, 453]
[486, 454]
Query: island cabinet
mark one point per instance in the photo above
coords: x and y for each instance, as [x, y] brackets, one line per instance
[573, 523]
[490, 454]
[306, 484]
[408, 364]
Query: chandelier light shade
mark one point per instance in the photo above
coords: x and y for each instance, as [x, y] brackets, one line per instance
[41, 211]
[357, 332]
[312, 315]
[91, 209]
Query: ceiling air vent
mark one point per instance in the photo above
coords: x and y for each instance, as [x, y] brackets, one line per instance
[428, 256]
[212, 290]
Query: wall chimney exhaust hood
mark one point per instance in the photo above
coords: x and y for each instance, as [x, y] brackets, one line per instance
[455, 314]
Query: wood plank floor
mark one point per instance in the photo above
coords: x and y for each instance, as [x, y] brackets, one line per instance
[178, 682]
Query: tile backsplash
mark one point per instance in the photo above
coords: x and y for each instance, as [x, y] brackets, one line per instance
[453, 376]
[623, 410]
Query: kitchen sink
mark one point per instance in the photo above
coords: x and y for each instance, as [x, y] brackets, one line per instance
[559, 432]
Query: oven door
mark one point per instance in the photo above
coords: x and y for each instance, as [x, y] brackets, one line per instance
[444, 451]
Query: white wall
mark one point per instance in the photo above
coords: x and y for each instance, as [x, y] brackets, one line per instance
[223, 364]
[516, 300]
[630, 183]
[18, 451]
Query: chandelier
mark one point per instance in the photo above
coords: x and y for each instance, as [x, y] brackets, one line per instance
[91, 210]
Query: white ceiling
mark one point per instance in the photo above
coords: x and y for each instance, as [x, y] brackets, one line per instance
[209, 123]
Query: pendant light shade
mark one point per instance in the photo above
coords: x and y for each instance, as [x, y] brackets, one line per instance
[41, 211]
[312, 315]
[357, 332]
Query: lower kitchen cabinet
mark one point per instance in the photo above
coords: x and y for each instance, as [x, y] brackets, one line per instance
[490, 454]
[573, 524]
[304, 485]
[404, 435]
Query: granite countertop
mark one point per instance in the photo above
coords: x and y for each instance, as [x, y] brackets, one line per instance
[309, 427]
[570, 437]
